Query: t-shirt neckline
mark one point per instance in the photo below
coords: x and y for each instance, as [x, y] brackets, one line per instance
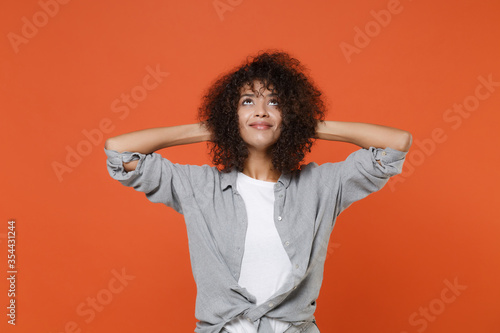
[254, 181]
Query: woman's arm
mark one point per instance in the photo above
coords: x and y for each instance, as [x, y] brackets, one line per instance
[149, 140]
[365, 135]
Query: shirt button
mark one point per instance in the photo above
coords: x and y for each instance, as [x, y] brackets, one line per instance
[287, 243]
[384, 153]
[296, 265]
[295, 287]
[279, 218]
[271, 305]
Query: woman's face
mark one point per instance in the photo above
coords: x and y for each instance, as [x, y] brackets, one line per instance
[259, 117]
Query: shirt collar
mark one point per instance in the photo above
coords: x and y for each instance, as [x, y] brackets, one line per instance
[229, 179]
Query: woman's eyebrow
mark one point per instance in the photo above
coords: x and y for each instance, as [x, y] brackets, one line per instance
[253, 95]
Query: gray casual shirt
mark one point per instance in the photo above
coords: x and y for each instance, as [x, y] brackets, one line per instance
[306, 206]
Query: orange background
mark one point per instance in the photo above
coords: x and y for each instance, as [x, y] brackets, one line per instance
[390, 254]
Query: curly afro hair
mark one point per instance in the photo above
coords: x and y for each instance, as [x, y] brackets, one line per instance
[299, 101]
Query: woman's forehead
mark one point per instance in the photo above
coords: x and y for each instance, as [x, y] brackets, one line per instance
[257, 87]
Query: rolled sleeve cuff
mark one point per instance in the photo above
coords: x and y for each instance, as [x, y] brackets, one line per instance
[115, 163]
[392, 160]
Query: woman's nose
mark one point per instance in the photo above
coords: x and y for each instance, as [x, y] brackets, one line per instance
[261, 110]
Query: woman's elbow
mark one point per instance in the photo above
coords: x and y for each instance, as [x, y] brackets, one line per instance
[110, 144]
[405, 141]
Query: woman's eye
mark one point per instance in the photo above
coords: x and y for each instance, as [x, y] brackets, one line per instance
[249, 101]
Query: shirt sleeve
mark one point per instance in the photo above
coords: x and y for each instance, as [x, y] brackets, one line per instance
[360, 173]
[153, 175]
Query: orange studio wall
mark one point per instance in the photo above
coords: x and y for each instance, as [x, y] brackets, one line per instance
[420, 255]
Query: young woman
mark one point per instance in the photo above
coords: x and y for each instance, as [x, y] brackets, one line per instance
[259, 221]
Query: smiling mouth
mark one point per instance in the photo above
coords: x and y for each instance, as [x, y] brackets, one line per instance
[261, 126]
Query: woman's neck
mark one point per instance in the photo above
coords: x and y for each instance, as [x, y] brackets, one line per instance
[259, 166]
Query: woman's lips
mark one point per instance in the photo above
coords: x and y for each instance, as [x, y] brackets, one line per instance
[261, 127]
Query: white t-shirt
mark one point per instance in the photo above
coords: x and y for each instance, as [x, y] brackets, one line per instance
[265, 265]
